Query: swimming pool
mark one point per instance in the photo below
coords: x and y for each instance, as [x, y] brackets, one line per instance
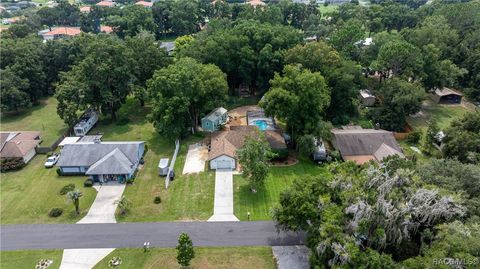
[261, 124]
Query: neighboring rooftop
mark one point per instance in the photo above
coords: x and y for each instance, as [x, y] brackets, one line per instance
[255, 3]
[217, 112]
[105, 4]
[144, 3]
[67, 31]
[446, 91]
[17, 144]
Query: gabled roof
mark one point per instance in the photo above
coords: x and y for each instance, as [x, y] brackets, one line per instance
[255, 3]
[106, 3]
[227, 142]
[87, 154]
[68, 31]
[216, 113]
[366, 142]
[114, 163]
[144, 3]
[85, 9]
[446, 91]
[17, 144]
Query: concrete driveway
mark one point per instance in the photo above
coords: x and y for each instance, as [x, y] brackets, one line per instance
[196, 157]
[223, 204]
[102, 211]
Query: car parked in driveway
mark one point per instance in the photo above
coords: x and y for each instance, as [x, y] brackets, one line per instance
[52, 160]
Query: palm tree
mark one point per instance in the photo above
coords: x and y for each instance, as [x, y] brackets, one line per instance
[74, 196]
[123, 204]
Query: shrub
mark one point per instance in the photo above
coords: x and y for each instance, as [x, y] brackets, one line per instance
[123, 120]
[67, 188]
[11, 164]
[55, 212]
[145, 150]
[157, 200]
[59, 172]
[88, 183]
[130, 180]
[414, 137]
[280, 154]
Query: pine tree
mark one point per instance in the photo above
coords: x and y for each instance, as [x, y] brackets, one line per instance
[185, 251]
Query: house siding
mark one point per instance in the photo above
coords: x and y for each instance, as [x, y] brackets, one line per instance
[214, 164]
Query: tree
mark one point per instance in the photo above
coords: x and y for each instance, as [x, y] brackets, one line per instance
[123, 204]
[162, 16]
[344, 39]
[398, 58]
[74, 196]
[439, 73]
[100, 80]
[430, 137]
[185, 251]
[185, 17]
[147, 56]
[184, 91]
[13, 96]
[131, 20]
[292, 94]
[253, 156]
[397, 100]
[462, 139]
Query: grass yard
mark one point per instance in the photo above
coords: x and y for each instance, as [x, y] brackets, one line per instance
[279, 179]
[442, 114]
[29, 258]
[226, 257]
[327, 9]
[42, 118]
[188, 197]
[28, 195]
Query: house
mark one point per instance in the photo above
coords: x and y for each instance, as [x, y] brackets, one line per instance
[447, 96]
[86, 123]
[106, 29]
[101, 161]
[366, 98]
[362, 145]
[59, 32]
[215, 119]
[106, 3]
[85, 9]
[19, 144]
[224, 144]
[144, 4]
[168, 46]
[256, 3]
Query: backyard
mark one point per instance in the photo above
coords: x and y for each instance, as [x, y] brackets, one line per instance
[279, 179]
[42, 117]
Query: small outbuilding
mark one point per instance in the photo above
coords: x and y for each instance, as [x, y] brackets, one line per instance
[163, 167]
[69, 140]
[215, 119]
[366, 98]
[447, 96]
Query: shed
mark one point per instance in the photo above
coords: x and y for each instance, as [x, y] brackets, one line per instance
[214, 119]
[366, 98]
[447, 96]
[163, 167]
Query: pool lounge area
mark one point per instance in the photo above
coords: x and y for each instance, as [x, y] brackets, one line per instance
[259, 119]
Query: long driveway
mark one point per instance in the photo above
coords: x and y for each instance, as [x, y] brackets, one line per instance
[223, 203]
[131, 235]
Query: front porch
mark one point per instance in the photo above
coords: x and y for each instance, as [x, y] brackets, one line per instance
[109, 178]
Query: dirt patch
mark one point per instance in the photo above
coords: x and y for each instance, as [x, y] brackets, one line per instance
[288, 162]
[239, 115]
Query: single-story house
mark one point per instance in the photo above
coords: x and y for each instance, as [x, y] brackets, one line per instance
[19, 144]
[362, 145]
[106, 3]
[366, 98]
[215, 119]
[224, 144]
[447, 96]
[101, 161]
[59, 32]
[256, 3]
[144, 4]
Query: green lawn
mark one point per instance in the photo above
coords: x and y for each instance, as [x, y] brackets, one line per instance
[28, 195]
[187, 198]
[227, 258]
[442, 114]
[327, 9]
[42, 117]
[29, 258]
[280, 178]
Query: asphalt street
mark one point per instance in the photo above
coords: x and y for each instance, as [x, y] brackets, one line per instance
[132, 235]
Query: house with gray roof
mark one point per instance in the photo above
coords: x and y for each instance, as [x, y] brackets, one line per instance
[362, 145]
[101, 161]
[215, 119]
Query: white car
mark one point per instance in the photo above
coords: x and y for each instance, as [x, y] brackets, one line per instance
[51, 161]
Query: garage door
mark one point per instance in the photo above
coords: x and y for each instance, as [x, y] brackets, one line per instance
[224, 164]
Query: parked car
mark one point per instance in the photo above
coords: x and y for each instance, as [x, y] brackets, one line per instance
[51, 161]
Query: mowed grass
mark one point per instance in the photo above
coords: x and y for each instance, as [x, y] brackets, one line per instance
[259, 204]
[205, 257]
[187, 198]
[29, 258]
[28, 195]
[442, 114]
[42, 118]
[325, 10]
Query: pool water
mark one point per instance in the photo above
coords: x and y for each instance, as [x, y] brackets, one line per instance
[261, 124]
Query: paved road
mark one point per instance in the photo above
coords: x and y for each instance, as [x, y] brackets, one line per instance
[130, 235]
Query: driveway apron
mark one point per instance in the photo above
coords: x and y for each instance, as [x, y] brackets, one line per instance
[223, 204]
[101, 211]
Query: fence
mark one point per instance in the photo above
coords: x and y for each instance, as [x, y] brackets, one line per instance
[172, 163]
[403, 135]
[52, 147]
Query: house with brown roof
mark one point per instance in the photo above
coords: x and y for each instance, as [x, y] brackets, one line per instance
[60, 32]
[256, 3]
[19, 145]
[362, 145]
[144, 4]
[106, 3]
[224, 144]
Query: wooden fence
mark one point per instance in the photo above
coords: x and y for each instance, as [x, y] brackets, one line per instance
[52, 147]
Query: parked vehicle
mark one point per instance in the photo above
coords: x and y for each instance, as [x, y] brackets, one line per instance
[86, 123]
[51, 161]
